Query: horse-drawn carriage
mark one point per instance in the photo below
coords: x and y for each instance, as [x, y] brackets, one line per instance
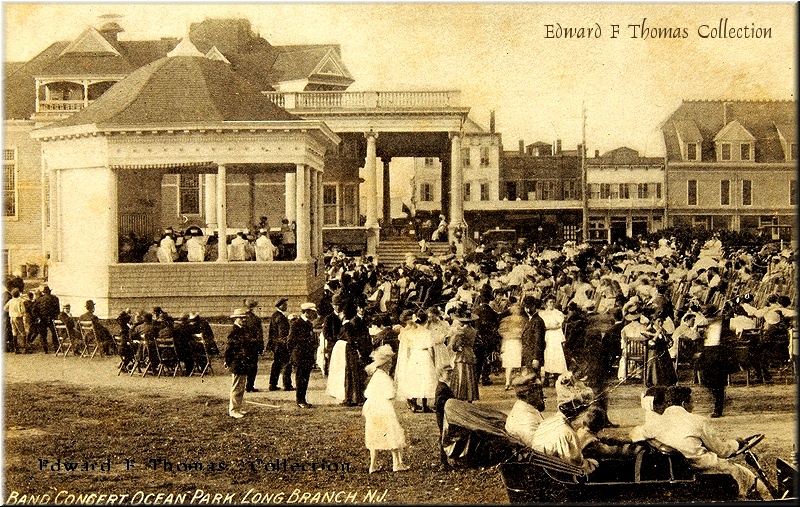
[474, 436]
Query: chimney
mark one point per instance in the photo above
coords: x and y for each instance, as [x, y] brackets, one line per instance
[491, 122]
[521, 146]
[558, 146]
[596, 153]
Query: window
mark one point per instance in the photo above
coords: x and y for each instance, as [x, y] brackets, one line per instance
[430, 161]
[349, 205]
[624, 192]
[725, 192]
[747, 192]
[691, 193]
[465, 157]
[725, 151]
[511, 190]
[641, 190]
[484, 191]
[467, 189]
[426, 192]
[189, 194]
[329, 205]
[605, 191]
[484, 156]
[745, 149]
[793, 192]
[10, 181]
[658, 190]
[691, 151]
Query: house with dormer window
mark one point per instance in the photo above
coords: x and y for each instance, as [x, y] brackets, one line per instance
[732, 164]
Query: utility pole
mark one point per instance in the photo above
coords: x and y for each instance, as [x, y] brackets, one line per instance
[584, 186]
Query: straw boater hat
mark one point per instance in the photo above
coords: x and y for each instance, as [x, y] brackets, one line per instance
[239, 313]
[381, 355]
[633, 313]
[308, 306]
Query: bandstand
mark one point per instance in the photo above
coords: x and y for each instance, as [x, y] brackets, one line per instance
[181, 114]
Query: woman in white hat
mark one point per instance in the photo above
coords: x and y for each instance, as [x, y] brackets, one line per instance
[555, 363]
[382, 430]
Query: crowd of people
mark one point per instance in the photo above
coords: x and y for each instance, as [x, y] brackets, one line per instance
[541, 316]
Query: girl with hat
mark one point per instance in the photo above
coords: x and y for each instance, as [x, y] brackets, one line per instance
[382, 430]
[464, 382]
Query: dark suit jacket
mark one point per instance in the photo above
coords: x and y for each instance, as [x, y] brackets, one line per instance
[302, 343]
[238, 353]
[533, 340]
[278, 330]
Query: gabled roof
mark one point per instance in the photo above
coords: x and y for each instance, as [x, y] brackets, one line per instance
[92, 42]
[787, 131]
[215, 54]
[470, 127]
[688, 132]
[303, 62]
[19, 87]
[759, 118]
[734, 131]
[178, 90]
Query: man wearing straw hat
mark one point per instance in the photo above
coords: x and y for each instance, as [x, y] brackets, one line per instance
[239, 360]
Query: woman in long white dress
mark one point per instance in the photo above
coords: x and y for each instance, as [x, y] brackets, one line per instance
[440, 332]
[419, 379]
[400, 371]
[510, 330]
[554, 361]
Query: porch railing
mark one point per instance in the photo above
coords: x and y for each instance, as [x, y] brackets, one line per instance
[366, 99]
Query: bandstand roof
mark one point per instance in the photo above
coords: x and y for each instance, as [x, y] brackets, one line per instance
[179, 90]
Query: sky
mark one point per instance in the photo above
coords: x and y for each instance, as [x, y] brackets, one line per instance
[500, 56]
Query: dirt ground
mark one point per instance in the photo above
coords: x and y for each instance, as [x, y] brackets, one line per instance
[136, 438]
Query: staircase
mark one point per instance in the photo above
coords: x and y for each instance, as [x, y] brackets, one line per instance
[392, 252]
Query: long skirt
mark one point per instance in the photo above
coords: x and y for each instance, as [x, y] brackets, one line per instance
[337, 370]
[420, 380]
[464, 382]
[382, 429]
[554, 360]
[511, 353]
[354, 377]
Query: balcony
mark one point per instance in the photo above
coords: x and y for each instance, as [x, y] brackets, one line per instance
[62, 106]
[366, 100]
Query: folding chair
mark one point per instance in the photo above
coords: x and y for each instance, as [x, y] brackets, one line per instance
[125, 359]
[636, 357]
[202, 357]
[89, 339]
[63, 336]
[167, 356]
[142, 355]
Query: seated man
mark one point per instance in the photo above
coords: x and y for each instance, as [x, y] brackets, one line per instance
[104, 340]
[557, 435]
[694, 437]
[526, 414]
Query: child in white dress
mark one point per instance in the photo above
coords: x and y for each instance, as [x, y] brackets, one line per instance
[382, 430]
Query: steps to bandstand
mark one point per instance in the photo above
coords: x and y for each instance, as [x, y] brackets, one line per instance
[393, 252]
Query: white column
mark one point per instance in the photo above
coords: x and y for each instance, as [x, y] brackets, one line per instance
[222, 213]
[302, 231]
[291, 197]
[56, 225]
[112, 246]
[371, 189]
[456, 218]
[210, 201]
[312, 211]
[370, 180]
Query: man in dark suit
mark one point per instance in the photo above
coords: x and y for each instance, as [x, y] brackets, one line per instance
[302, 344]
[278, 334]
[255, 333]
[533, 338]
[47, 307]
